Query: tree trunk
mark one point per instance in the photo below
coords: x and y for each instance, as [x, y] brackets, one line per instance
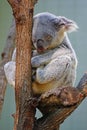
[23, 13]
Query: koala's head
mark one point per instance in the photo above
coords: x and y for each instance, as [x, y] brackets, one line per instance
[49, 30]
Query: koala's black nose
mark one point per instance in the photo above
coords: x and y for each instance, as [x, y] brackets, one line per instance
[40, 43]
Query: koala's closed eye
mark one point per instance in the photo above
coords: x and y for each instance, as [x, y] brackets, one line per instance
[48, 37]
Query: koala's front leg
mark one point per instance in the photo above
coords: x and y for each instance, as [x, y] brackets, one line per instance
[41, 59]
[56, 69]
[45, 58]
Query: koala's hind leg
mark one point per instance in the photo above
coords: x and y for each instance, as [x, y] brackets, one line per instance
[9, 69]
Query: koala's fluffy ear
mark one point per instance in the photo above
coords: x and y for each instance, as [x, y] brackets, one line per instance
[67, 24]
[70, 25]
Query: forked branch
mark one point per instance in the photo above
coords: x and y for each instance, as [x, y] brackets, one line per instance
[57, 108]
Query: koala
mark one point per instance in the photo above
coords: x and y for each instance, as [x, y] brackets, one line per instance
[57, 62]
[54, 60]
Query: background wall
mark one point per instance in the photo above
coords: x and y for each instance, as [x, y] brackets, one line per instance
[73, 9]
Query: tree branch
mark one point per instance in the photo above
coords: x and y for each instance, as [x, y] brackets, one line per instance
[6, 56]
[60, 111]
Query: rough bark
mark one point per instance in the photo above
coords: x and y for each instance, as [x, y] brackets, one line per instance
[23, 13]
[6, 56]
[59, 113]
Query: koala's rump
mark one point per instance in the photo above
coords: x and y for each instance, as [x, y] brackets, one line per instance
[41, 88]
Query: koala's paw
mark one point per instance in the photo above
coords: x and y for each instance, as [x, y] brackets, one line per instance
[33, 78]
[9, 69]
[35, 62]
